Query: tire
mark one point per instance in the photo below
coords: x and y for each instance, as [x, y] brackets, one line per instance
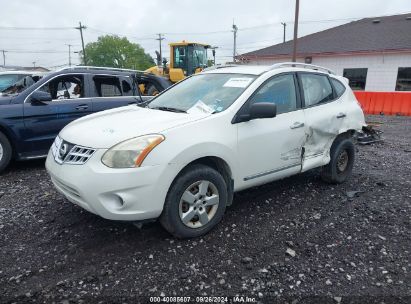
[5, 152]
[342, 155]
[199, 197]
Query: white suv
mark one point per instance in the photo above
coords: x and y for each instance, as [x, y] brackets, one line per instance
[182, 157]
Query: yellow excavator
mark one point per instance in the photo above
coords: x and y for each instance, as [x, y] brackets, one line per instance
[186, 58]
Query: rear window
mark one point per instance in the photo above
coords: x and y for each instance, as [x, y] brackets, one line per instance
[317, 89]
[338, 86]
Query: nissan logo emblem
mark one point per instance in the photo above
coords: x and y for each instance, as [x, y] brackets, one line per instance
[63, 150]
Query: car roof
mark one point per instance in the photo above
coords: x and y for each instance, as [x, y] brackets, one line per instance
[237, 69]
[260, 69]
[99, 70]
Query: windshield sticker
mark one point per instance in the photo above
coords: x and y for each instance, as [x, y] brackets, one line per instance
[200, 108]
[238, 82]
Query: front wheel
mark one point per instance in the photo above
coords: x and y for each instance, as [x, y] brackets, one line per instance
[342, 155]
[195, 203]
[5, 152]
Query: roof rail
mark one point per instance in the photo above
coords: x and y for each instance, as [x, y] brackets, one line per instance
[220, 66]
[300, 64]
[85, 67]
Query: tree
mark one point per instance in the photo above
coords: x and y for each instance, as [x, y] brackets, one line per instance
[116, 52]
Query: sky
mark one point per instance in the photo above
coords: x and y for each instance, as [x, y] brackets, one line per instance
[40, 31]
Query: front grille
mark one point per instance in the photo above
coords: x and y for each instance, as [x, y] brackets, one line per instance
[79, 155]
[67, 153]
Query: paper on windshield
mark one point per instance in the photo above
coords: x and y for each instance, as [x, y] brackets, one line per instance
[200, 108]
[238, 82]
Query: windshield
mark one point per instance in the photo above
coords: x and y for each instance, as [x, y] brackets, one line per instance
[20, 85]
[9, 79]
[212, 92]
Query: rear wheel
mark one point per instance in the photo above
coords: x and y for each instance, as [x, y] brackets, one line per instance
[5, 152]
[342, 155]
[195, 203]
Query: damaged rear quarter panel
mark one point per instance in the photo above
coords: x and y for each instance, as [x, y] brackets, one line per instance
[324, 124]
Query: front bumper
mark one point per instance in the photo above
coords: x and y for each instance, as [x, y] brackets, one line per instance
[118, 194]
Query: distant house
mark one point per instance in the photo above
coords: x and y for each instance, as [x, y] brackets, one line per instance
[373, 53]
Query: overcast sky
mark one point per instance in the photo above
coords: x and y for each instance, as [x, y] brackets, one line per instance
[258, 21]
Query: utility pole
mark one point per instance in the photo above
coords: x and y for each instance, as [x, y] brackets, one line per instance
[69, 46]
[81, 28]
[4, 57]
[235, 29]
[297, 8]
[213, 48]
[160, 38]
[284, 25]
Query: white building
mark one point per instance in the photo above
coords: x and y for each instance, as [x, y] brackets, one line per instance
[373, 53]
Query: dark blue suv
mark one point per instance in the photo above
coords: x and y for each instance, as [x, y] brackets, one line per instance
[31, 117]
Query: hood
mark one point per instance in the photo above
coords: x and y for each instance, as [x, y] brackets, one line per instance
[105, 129]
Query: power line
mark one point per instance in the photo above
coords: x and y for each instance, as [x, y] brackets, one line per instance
[48, 38]
[200, 33]
[34, 52]
[35, 28]
[119, 34]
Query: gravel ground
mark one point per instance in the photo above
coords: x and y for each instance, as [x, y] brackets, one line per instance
[291, 240]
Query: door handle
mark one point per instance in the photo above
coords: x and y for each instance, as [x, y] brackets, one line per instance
[82, 107]
[341, 115]
[297, 125]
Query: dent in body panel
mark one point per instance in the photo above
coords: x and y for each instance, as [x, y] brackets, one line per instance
[320, 136]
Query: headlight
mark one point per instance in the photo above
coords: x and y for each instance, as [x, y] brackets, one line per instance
[131, 153]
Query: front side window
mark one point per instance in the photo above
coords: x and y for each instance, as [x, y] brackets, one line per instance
[357, 78]
[279, 90]
[316, 89]
[403, 79]
[107, 86]
[65, 87]
[216, 91]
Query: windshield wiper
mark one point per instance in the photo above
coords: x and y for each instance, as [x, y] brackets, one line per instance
[170, 109]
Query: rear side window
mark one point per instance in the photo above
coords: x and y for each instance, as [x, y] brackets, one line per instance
[279, 90]
[107, 86]
[316, 89]
[338, 86]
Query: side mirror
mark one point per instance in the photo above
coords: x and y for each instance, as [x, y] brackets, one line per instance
[256, 111]
[40, 97]
[263, 110]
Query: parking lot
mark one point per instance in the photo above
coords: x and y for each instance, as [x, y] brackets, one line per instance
[291, 239]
